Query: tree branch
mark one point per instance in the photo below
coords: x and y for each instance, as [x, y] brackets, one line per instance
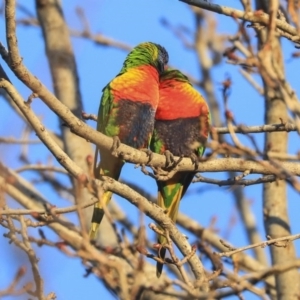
[253, 17]
[276, 242]
[258, 128]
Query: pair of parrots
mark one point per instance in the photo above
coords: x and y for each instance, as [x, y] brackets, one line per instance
[149, 104]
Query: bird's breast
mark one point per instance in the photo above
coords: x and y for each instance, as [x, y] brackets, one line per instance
[136, 122]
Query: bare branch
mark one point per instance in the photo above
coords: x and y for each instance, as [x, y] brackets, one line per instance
[254, 17]
[276, 242]
[16, 141]
[233, 181]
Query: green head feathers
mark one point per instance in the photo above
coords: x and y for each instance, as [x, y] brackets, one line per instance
[147, 54]
[174, 75]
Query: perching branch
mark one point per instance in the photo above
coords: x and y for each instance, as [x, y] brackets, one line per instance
[136, 156]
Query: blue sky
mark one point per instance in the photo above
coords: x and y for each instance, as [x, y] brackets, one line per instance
[132, 22]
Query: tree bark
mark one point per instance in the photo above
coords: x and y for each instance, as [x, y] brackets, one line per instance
[203, 45]
[276, 219]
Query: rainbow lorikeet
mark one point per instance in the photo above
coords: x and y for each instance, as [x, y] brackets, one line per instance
[182, 124]
[127, 111]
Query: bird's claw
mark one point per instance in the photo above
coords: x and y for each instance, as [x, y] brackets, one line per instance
[149, 154]
[178, 161]
[144, 170]
[115, 145]
[195, 160]
[169, 158]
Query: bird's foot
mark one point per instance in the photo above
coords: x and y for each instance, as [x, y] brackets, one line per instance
[146, 172]
[143, 169]
[169, 158]
[149, 154]
[178, 161]
[116, 144]
[143, 166]
[195, 160]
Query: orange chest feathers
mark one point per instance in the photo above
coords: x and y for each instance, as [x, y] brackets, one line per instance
[179, 100]
[137, 84]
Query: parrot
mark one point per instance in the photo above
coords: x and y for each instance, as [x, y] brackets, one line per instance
[182, 124]
[127, 110]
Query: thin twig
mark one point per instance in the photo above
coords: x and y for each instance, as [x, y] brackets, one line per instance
[233, 181]
[257, 128]
[17, 212]
[41, 168]
[17, 141]
[285, 241]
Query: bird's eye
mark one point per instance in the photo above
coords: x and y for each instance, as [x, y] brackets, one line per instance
[163, 59]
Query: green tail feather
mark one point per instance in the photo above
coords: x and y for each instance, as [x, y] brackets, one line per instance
[108, 166]
[98, 214]
[97, 217]
[159, 266]
[174, 189]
